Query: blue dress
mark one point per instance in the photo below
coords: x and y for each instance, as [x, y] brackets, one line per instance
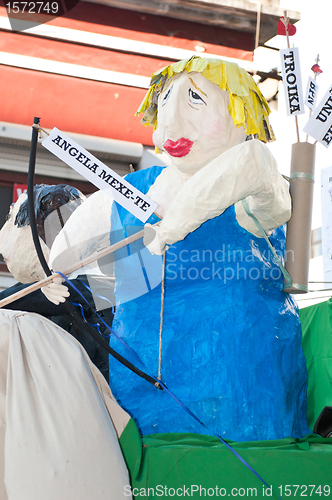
[231, 346]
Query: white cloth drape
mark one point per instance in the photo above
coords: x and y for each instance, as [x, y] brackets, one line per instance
[59, 423]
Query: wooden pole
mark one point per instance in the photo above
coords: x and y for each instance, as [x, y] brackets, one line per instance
[75, 267]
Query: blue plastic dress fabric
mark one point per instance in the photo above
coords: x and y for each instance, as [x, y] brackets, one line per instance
[231, 348]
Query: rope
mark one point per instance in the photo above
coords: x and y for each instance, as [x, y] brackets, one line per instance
[263, 233]
[161, 314]
[161, 386]
[40, 129]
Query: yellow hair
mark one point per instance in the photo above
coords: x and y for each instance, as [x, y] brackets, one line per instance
[247, 105]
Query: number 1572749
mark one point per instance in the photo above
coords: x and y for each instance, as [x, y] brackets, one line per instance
[32, 7]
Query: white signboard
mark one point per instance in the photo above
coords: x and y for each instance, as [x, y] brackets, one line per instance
[320, 124]
[291, 77]
[99, 174]
[311, 93]
[326, 197]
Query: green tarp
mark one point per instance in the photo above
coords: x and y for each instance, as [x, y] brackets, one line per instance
[199, 466]
[317, 347]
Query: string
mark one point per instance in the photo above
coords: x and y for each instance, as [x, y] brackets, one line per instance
[161, 314]
[40, 129]
[97, 325]
[237, 455]
[96, 295]
[275, 255]
[99, 317]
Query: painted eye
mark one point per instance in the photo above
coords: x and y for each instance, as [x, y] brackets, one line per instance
[195, 98]
[166, 96]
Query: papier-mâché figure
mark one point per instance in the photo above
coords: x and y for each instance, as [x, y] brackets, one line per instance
[231, 338]
[230, 343]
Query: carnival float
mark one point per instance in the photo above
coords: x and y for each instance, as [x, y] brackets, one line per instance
[208, 381]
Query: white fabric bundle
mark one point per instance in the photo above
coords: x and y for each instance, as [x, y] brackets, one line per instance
[59, 423]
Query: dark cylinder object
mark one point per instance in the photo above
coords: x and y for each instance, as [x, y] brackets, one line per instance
[31, 208]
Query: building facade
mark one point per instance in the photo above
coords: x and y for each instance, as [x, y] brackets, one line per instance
[87, 71]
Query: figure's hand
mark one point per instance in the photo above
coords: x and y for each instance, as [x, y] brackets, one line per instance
[56, 292]
[153, 240]
[247, 170]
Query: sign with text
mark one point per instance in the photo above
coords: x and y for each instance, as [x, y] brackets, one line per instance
[99, 174]
[320, 124]
[311, 93]
[291, 77]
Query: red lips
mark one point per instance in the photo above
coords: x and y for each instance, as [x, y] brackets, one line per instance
[179, 148]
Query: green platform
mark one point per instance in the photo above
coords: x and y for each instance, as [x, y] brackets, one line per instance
[317, 346]
[198, 466]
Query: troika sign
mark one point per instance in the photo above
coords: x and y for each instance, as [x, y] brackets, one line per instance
[99, 174]
[291, 77]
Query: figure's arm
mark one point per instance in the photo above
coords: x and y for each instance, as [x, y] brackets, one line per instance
[87, 230]
[245, 171]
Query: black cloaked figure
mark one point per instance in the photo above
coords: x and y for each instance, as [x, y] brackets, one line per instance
[54, 204]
